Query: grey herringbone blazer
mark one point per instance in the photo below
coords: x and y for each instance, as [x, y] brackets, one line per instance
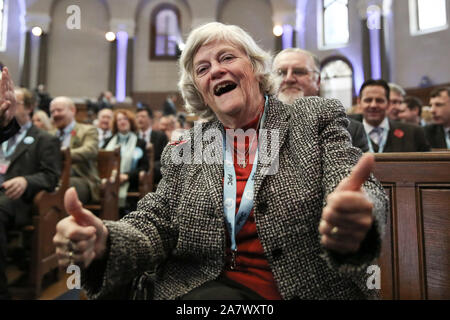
[180, 228]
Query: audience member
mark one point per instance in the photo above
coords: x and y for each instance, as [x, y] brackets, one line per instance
[297, 75]
[104, 125]
[42, 121]
[411, 111]
[144, 120]
[133, 156]
[438, 133]
[169, 107]
[43, 99]
[396, 97]
[30, 161]
[385, 135]
[82, 139]
[8, 123]
[167, 125]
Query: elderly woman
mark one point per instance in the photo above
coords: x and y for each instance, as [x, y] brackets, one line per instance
[235, 227]
[133, 155]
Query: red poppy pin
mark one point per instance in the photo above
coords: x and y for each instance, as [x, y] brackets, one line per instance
[399, 133]
[73, 133]
[175, 143]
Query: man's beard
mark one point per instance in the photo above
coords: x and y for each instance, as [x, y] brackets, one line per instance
[289, 98]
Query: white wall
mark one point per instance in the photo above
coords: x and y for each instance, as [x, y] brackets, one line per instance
[417, 56]
[254, 16]
[78, 62]
[150, 75]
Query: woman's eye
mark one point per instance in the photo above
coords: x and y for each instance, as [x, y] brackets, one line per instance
[201, 70]
[227, 57]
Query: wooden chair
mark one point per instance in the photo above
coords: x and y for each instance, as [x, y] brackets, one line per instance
[108, 163]
[415, 256]
[48, 210]
[145, 177]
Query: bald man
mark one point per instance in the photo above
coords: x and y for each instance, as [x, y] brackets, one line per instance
[82, 140]
[297, 75]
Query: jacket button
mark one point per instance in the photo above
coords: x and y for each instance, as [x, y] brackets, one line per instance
[276, 253]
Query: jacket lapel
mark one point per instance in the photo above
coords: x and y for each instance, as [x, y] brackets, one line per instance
[22, 147]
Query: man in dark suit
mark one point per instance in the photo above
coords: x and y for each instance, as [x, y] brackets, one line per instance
[297, 74]
[438, 133]
[144, 120]
[386, 135]
[169, 106]
[30, 162]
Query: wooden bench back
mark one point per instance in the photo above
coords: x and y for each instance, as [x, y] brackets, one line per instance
[415, 258]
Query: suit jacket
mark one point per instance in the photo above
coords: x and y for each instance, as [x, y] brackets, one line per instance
[402, 137]
[436, 136]
[84, 152]
[159, 141]
[181, 227]
[11, 129]
[169, 108]
[359, 138]
[37, 158]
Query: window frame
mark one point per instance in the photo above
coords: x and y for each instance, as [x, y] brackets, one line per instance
[4, 27]
[414, 20]
[322, 45]
[153, 15]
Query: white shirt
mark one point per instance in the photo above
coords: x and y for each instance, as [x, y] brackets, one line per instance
[384, 125]
[146, 135]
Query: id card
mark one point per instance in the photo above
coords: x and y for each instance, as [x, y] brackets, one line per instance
[4, 165]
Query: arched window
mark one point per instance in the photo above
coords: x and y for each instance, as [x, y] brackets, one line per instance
[335, 27]
[165, 32]
[337, 80]
[427, 16]
[3, 24]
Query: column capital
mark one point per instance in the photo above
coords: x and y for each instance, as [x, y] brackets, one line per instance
[41, 20]
[127, 25]
[363, 5]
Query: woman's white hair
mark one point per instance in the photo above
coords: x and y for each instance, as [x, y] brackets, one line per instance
[216, 31]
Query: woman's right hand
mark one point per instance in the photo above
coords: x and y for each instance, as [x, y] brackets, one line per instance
[81, 237]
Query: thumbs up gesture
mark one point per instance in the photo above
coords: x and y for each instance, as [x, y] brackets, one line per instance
[347, 217]
[80, 237]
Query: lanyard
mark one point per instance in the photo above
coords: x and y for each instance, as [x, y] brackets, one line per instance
[8, 152]
[447, 138]
[234, 221]
[382, 142]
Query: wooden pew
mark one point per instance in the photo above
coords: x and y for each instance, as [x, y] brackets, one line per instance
[108, 163]
[415, 257]
[48, 210]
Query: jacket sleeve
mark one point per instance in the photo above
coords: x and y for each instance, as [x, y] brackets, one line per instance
[338, 158]
[49, 159]
[141, 240]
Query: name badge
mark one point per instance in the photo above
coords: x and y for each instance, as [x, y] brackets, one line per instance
[4, 165]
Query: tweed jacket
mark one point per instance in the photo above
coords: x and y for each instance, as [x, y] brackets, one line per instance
[180, 228]
[84, 151]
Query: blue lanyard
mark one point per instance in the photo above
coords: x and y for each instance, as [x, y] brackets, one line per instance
[234, 221]
[382, 142]
[447, 138]
[7, 153]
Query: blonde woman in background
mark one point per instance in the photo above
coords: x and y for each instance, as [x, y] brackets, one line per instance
[42, 121]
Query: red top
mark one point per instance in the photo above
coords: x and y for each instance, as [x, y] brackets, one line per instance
[252, 269]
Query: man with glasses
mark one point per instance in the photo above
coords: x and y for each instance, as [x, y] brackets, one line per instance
[396, 99]
[297, 75]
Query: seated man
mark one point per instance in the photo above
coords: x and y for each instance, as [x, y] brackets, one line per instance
[412, 111]
[82, 139]
[30, 161]
[396, 98]
[438, 133]
[297, 74]
[104, 125]
[385, 135]
[144, 120]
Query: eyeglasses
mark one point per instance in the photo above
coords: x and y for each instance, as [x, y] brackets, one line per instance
[396, 101]
[297, 72]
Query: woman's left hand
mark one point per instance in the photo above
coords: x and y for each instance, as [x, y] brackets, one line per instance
[348, 215]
